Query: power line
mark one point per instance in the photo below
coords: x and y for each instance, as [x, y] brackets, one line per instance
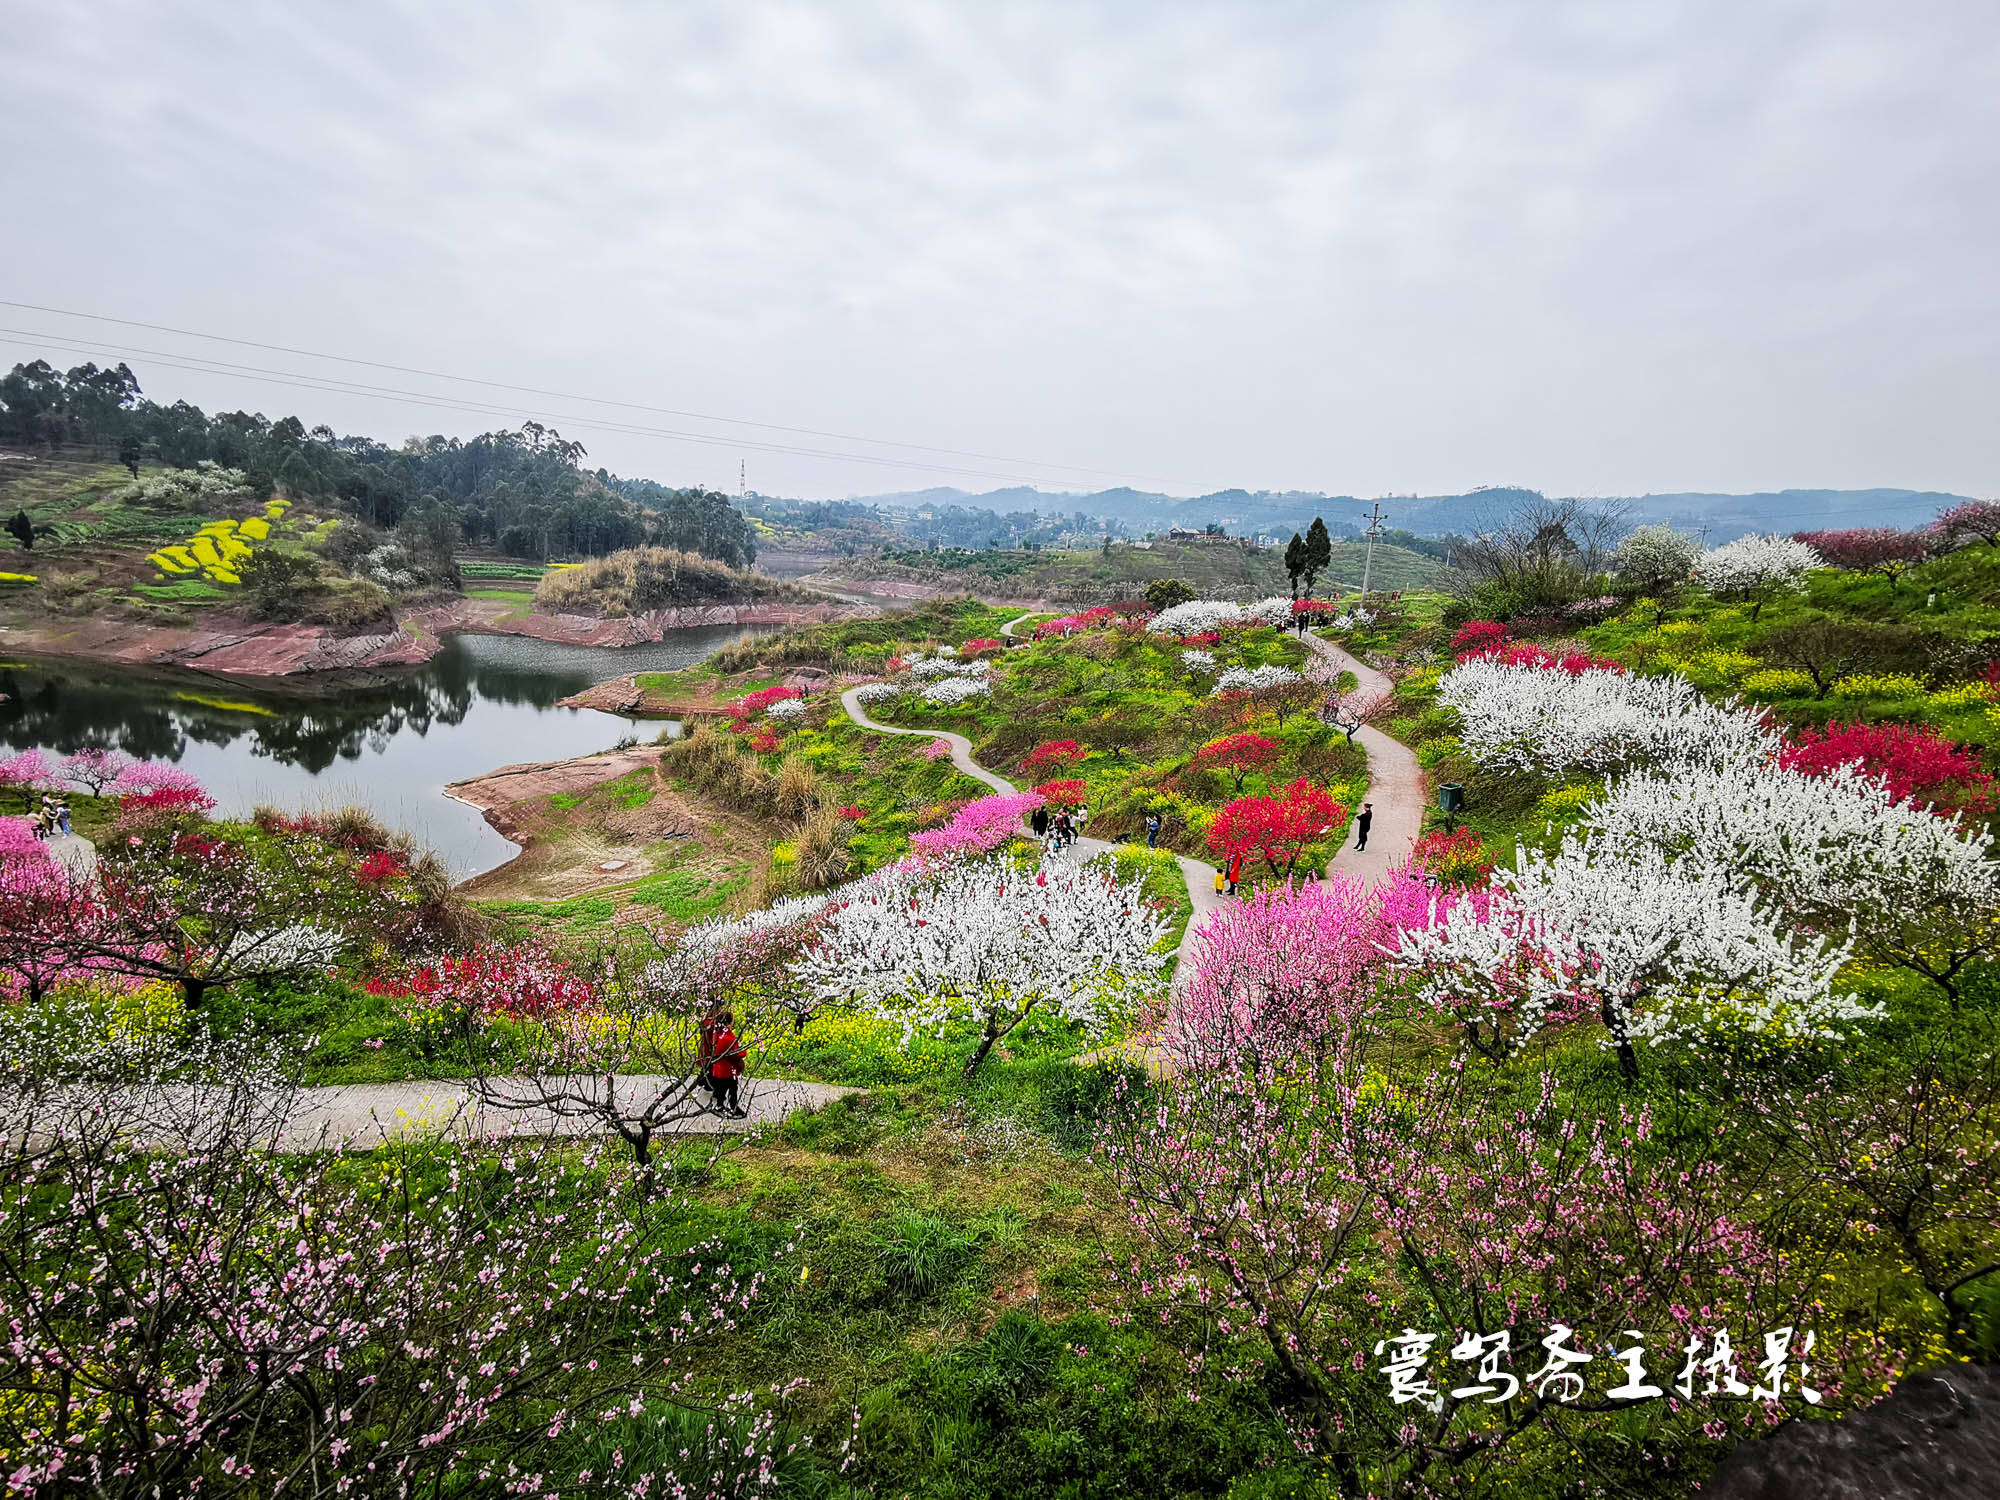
[664, 411]
[333, 385]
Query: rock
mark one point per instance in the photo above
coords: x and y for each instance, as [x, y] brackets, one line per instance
[1936, 1436]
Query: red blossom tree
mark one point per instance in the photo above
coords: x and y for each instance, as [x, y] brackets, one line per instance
[1280, 827]
[1914, 764]
[1476, 637]
[1869, 549]
[522, 982]
[1053, 755]
[1238, 755]
[1061, 794]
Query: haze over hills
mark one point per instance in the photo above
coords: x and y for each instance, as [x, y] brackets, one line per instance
[1721, 516]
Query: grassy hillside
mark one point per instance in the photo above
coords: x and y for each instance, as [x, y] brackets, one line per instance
[1218, 569]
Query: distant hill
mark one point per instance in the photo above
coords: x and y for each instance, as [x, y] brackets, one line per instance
[1279, 513]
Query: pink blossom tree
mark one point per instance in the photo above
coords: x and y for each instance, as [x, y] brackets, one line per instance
[30, 770]
[1973, 520]
[161, 787]
[231, 1318]
[1281, 971]
[94, 768]
[1881, 550]
[1290, 1219]
[979, 827]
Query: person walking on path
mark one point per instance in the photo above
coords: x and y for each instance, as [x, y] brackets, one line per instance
[1040, 822]
[1152, 830]
[1235, 872]
[1361, 826]
[727, 1067]
[62, 817]
[1082, 820]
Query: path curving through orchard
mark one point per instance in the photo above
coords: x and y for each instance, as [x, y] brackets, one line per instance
[1395, 781]
[1008, 629]
[1200, 878]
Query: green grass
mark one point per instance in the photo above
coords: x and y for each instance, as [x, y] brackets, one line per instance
[187, 591]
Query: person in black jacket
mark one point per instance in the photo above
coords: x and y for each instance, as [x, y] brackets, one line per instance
[1040, 822]
[1361, 825]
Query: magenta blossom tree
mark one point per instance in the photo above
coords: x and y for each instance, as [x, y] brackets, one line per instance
[979, 827]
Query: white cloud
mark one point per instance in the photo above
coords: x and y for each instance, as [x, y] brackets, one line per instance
[1370, 247]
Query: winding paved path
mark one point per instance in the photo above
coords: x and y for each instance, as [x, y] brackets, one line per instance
[1395, 781]
[361, 1116]
[1200, 878]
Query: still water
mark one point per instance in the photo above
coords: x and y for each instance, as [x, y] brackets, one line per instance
[482, 702]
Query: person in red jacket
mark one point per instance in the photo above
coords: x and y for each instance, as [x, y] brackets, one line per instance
[727, 1066]
[1235, 870]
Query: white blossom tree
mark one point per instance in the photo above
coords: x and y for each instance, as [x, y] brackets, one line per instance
[1757, 569]
[1656, 558]
[1920, 891]
[985, 942]
[1659, 949]
[1256, 679]
[1533, 718]
[1197, 617]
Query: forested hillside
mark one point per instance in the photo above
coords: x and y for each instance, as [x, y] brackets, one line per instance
[526, 493]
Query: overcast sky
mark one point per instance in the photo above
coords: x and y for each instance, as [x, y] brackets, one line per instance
[1370, 248]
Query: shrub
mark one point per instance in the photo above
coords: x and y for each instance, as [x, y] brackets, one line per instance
[1897, 686]
[1777, 682]
[1965, 695]
[1458, 858]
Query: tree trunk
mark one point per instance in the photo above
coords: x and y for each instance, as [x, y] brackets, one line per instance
[1628, 1060]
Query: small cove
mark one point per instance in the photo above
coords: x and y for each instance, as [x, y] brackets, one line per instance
[387, 743]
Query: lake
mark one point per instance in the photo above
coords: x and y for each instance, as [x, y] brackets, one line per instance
[390, 744]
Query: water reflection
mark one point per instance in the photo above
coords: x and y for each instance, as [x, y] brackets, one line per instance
[390, 742]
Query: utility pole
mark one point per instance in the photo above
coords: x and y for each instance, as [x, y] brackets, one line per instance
[1368, 560]
[742, 471]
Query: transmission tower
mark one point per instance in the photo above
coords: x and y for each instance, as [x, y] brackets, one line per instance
[1368, 559]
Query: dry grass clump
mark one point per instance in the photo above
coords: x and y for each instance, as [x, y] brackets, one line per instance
[642, 578]
[820, 857]
[800, 789]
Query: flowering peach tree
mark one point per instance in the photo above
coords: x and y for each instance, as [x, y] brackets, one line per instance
[1659, 949]
[984, 943]
[228, 1317]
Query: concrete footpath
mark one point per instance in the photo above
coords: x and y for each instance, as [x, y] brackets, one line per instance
[1200, 877]
[1395, 782]
[364, 1115]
